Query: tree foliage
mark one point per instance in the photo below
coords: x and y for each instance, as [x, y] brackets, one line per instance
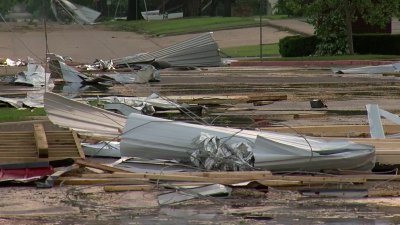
[332, 19]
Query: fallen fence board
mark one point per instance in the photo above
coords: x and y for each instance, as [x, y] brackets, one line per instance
[120, 188]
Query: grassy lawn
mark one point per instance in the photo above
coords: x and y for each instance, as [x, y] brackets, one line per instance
[252, 51]
[181, 26]
[12, 114]
[337, 57]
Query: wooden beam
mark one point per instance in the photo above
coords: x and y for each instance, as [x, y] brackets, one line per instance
[121, 188]
[78, 144]
[85, 181]
[230, 179]
[41, 141]
[99, 166]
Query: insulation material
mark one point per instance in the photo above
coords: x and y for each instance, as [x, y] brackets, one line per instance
[200, 51]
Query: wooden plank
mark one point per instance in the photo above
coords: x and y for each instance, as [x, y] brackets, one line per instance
[99, 166]
[85, 181]
[121, 188]
[167, 177]
[41, 141]
[252, 175]
[78, 144]
[230, 180]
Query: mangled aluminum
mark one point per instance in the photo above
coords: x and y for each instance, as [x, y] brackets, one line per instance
[389, 68]
[65, 10]
[82, 118]
[150, 137]
[143, 75]
[32, 100]
[102, 149]
[156, 138]
[214, 154]
[375, 123]
[200, 51]
[35, 76]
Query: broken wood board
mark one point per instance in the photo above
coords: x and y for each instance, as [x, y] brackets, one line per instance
[104, 181]
[230, 179]
[121, 188]
[165, 177]
[225, 99]
[21, 146]
[333, 130]
[99, 166]
[41, 141]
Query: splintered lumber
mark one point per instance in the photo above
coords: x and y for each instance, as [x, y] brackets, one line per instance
[104, 181]
[99, 166]
[376, 177]
[41, 141]
[121, 188]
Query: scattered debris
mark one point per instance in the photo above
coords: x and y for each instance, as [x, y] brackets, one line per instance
[200, 51]
[389, 68]
[186, 194]
[155, 15]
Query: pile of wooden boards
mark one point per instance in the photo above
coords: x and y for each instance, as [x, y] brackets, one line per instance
[39, 145]
[117, 180]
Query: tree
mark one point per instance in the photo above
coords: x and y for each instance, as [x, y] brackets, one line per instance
[332, 19]
[133, 10]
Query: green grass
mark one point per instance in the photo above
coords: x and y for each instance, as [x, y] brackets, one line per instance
[337, 57]
[12, 114]
[182, 26]
[252, 51]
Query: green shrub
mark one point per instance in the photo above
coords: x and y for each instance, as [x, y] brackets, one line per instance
[384, 44]
[295, 46]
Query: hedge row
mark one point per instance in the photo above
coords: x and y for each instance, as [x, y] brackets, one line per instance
[383, 44]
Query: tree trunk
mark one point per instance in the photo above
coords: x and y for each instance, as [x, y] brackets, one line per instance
[133, 10]
[349, 28]
[192, 8]
[227, 8]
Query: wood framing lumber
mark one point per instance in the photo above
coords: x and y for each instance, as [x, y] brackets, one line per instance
[41, 141]
[121, 188]
[230, 179]
[105, 181]
[99, 166]
[253, 175]
[166, 177]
